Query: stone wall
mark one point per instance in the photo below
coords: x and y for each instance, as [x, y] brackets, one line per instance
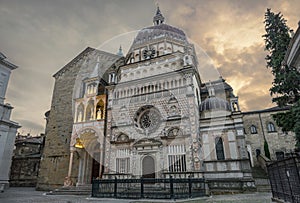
[55, 158]
[278, 140]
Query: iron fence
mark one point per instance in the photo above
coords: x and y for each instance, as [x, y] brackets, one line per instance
[285, 179]
[149, 188]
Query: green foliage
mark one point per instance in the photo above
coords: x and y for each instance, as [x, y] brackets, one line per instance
[266, 148]
[286, 84]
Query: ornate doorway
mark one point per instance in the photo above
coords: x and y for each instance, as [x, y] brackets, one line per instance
[148, 167]
[95, 166]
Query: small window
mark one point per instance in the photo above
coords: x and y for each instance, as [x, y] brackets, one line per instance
[271, 127]
[258, 152]
[253, 129]
[123, 165]
[177, 163]
[279, 155]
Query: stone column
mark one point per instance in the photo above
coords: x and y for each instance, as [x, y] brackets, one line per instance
[68, 181]
[71, 161]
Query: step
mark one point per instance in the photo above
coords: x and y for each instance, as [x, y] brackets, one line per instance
[263, 189]
[72, 190]
[262, 184]
[69, 192]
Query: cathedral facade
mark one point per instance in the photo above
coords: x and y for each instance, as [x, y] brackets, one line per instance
[146, 114]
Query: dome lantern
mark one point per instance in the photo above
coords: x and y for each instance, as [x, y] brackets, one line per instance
[158, 18]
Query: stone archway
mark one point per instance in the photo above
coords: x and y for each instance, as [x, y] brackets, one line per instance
[148, 166]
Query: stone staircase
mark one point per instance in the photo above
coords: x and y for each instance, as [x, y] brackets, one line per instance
[72, 190]
[261, 179]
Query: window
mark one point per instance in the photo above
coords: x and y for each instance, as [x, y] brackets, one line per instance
[177, 163]
[101, 88]
[123, 165]
[89, 111]
[176, 158]
[253, 129]
[147, 118]
[279, 155]
[271, 127]
[80, 112]
[219, 149]
[258, 152]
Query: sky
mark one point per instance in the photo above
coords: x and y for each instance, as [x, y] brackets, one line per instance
[40, 37]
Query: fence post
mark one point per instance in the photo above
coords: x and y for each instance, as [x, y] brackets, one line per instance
[272, 180]
[116, 187]
[190, 187]
[297, 179]
[171, 187]
[95, 187]
[142, 187]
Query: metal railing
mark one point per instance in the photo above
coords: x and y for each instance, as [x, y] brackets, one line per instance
[148, 188]
[285, 179]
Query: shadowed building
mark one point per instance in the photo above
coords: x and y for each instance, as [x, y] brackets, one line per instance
[26, 160]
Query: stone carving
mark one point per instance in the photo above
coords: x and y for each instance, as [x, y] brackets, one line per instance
[68, 182]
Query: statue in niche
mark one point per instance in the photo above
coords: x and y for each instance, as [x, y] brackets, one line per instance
[173, 111]
[122, 138]
[99, 114]
[79, 118]
[92, 114]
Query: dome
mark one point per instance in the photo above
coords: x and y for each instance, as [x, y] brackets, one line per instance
[214, 103]
[159, 30]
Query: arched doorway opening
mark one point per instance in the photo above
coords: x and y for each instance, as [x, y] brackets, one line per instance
[96, 162]
[148, 167]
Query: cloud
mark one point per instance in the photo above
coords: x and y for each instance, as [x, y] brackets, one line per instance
[42, 36]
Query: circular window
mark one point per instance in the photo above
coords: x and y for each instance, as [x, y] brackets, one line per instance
[147, 118]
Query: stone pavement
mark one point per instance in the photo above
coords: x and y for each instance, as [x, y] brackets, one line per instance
[29, 195]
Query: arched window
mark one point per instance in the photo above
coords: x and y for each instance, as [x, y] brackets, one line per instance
[271, 127]
[80, 111]
[90, 111]
[253, 129]
[219, 149]
[101, 89]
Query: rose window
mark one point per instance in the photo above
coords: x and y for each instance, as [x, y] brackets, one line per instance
[147, 118]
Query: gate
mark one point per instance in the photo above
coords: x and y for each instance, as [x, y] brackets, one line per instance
[285, 179]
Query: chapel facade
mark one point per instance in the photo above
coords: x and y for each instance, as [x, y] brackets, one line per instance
[146, 114]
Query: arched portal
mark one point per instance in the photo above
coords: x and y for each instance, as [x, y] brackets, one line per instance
[96, 162]
[148, 167]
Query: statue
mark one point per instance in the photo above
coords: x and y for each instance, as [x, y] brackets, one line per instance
[79, 118]
[99, 114]
[92, 114]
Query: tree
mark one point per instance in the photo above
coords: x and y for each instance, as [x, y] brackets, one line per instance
[286, 84]
[266, 149]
